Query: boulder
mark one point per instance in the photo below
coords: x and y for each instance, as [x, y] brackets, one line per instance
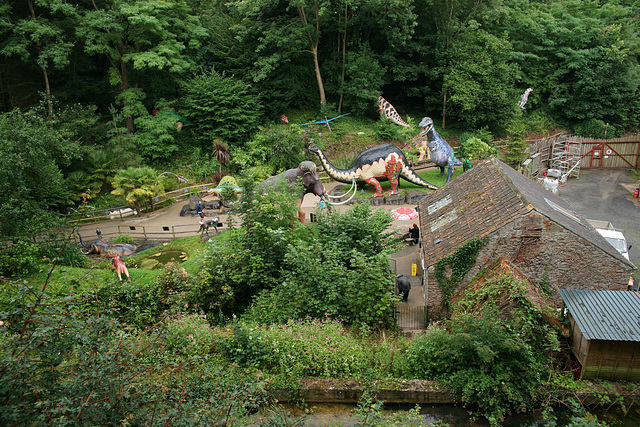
[394, 200]
[376, 201]
[213, 204]
[193, 201]
[413, 196]
[186, 210]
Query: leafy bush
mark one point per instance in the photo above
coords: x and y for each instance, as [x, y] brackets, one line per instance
[188, 334]
[594, 128]
[275, 148]
[476, 149]
[173, 285]
[20, 259]
[135, 304]
[220, 106]
[71, 255]
[341, 270]
[483, 361]
[124, 238]
[246, 347]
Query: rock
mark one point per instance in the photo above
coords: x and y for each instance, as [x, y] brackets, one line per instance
[376, 201]
[213, 204]
[186, 210]
[193, 200]
[394, 200]
[413, 196]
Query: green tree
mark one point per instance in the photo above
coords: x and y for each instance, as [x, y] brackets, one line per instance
[220, 107]
[41, 37]
[137, 185]
[579, 56]
[295, 24]
[479, 78]
[140, 36]
[240, 263]
[32, 185]
[340, 270]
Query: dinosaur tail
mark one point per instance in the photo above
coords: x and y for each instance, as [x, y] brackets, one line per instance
[456, 162]
[410, 175]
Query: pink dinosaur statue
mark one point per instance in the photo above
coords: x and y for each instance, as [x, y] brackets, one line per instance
[120, 267]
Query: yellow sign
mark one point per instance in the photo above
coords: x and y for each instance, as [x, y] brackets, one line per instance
[414, 269]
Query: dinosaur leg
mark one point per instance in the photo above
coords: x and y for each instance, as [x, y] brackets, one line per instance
[392, 172]
[449, 171]
[376, 184]
[441, 170]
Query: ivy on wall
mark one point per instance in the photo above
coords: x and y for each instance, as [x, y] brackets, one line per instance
[460, 262]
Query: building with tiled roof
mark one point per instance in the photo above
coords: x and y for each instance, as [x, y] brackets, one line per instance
[520, 221]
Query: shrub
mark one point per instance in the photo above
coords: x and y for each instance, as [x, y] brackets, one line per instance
[246, 347]
[594, 128]
[189, 334]
[135, 304]
[124, 238]
[20, 259]
[70, 256]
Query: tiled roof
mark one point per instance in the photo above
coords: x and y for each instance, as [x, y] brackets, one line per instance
[475, 204]
[604, 315]
[487, 197]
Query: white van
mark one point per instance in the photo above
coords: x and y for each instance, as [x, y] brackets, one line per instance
[613, 236]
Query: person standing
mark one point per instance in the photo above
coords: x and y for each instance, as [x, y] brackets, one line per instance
[404, 286]
[414, 233]
[99, 233]
[199, 210]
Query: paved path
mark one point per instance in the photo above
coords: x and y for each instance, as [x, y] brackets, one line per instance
[163, 223]
[607, 194]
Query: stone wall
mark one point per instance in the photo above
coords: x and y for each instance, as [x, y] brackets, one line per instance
[543, 251]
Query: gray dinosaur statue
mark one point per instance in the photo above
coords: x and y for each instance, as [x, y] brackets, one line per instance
[382, 162]
[107, 249]
[440, 152]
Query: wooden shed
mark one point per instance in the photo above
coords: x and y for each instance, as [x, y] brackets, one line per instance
[605, 332]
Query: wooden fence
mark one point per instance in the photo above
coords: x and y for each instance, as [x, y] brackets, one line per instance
[95, 216]
[592, 153]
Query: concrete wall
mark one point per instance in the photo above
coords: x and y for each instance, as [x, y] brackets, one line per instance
[543, 251]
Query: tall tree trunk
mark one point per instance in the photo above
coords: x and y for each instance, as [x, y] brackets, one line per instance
[444, 109]
[316, 64]
[47, 87]
[314, 40]
[344, 58]
[124, 79]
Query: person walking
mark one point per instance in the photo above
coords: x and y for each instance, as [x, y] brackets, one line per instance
[404, 286]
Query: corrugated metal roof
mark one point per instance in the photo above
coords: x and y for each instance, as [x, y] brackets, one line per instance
[605, 315]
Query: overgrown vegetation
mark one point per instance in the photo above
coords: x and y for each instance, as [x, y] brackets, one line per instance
[452, 269]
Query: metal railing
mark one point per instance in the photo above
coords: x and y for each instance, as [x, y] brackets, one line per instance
[411, 317]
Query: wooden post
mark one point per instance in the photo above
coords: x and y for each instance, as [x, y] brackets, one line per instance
[173, 231]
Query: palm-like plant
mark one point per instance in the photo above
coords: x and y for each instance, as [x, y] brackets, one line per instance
[221, 153]
[137, 184]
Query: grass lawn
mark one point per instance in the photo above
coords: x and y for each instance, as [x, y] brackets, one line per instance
[432, 176]
[73, 280]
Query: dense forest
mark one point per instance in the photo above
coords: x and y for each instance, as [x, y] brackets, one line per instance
[99, 97]
[90, 88]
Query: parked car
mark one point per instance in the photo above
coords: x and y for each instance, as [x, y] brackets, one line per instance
[613, 236]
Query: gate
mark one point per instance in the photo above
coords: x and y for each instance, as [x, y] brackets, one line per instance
[411, 317]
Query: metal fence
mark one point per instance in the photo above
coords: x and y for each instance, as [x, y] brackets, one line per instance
[411, 317]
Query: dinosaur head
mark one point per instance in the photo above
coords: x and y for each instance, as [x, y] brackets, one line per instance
[426, 124]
